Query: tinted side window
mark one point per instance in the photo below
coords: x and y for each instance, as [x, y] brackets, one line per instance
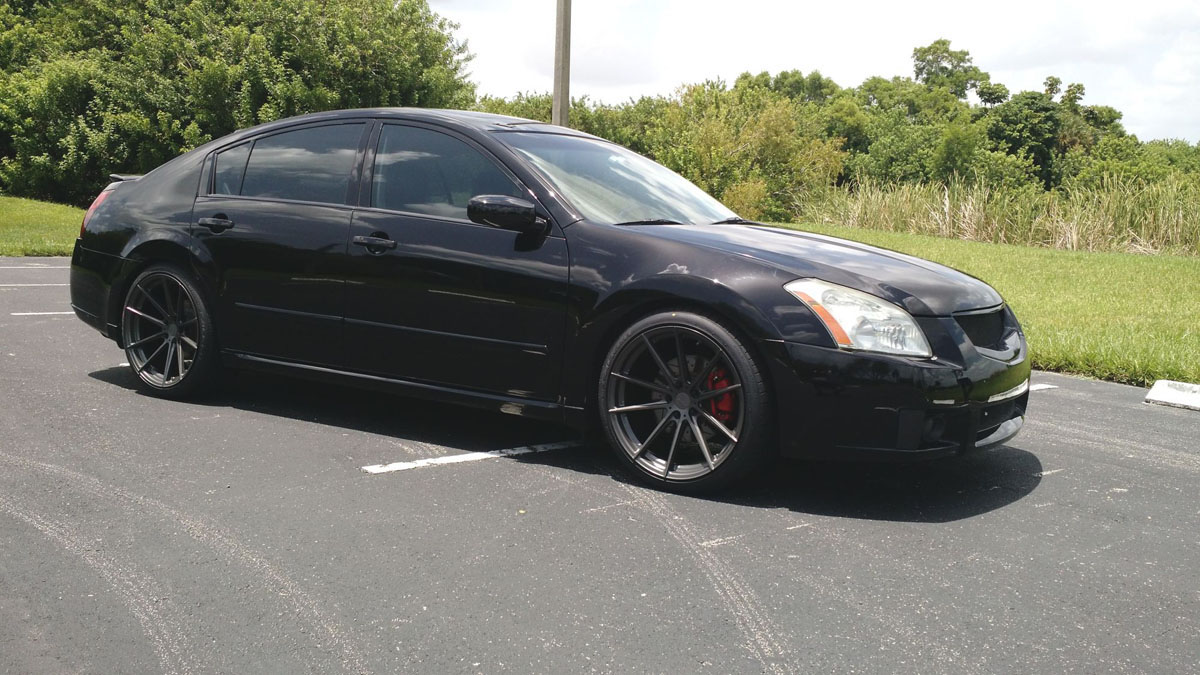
[423, 171]
[310, 164]
[231, 165]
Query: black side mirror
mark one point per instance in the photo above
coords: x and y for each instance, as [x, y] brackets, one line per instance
[507, 213]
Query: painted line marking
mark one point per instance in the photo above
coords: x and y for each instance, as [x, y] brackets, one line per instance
[29, 285]
[40, 313]
[469, 457]
[1040, 474]
[34, 267]
[1040, 387]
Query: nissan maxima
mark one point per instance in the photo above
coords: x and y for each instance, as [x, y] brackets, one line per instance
[539, 271]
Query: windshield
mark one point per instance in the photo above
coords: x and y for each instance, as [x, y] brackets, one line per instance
[609, 184]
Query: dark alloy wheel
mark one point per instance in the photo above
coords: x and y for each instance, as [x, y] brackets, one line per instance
[683, 402]
[167, 333]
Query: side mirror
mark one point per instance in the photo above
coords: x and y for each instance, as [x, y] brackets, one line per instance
[506, 213]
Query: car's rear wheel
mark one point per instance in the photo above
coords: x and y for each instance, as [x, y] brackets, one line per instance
[683, 402]
[167, 331]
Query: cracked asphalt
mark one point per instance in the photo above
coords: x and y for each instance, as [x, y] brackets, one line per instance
[240, 534]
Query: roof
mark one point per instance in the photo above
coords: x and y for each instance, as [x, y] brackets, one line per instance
[462, 119]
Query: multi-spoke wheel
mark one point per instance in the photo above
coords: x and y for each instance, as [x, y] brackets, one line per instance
[167, 332]
[683, 402]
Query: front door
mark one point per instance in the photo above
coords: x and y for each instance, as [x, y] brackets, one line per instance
[276, 224]
[451, 302]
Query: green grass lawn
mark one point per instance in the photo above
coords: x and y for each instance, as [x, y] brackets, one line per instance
[29, 227]
[1113, 316]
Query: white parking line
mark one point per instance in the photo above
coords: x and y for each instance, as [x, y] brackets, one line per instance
[1040, 387]
[29, 285]
[33, 267]
[40, 313]
[469, 457]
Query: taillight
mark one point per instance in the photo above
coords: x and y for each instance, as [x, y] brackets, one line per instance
[95, 205]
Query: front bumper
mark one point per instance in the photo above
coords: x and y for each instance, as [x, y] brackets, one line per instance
[835, 404]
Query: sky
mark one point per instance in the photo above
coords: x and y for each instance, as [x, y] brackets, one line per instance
[1141, 58]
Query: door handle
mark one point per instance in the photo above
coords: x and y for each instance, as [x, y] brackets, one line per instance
[374, 244]
[217, 225]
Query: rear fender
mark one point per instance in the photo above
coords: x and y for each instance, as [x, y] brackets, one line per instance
[160, 245]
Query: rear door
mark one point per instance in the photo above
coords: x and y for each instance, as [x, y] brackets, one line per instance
[276, 220]
[452, 302]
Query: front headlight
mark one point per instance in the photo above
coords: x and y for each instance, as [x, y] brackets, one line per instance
[858, 320]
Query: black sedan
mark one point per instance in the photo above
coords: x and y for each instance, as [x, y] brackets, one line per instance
[540, 271]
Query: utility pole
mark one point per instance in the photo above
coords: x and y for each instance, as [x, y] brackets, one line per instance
[562, 65]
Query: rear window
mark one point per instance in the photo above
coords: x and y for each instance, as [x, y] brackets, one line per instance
[311, 164]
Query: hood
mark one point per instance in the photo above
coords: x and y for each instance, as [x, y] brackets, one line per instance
[921, 287]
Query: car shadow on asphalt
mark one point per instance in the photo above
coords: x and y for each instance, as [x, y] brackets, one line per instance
[936, 491]
[406, 419]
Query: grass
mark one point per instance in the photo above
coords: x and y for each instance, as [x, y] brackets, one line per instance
[29, 227]
[1113, 316]
[1128, 217]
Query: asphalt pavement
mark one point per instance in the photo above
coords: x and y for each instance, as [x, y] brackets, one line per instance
[242, 534]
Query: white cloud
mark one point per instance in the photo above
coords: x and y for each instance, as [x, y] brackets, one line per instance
[1142, 59]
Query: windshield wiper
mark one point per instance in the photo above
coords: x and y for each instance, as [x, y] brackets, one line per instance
[737, 221]
[651, 221]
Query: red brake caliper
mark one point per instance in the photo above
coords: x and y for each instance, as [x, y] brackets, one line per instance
[721, 406]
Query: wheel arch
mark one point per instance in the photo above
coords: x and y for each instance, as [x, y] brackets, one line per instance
[625, 307]
[154, 247]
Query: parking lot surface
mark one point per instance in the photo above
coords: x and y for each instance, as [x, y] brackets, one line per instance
[242, 534]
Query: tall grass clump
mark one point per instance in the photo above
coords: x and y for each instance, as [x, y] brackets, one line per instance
[1125, 216]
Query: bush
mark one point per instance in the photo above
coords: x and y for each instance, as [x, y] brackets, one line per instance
[91, 87]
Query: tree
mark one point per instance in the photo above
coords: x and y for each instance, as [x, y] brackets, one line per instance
[991, 94]
[1073, 95]
[936, 65]
[90, 87]
[1053, 85]
[813, 87]
[1028, 124]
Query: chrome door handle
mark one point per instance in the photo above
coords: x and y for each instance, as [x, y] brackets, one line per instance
[216, 224]
[374, 244]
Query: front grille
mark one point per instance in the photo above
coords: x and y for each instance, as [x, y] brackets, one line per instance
[985, 329]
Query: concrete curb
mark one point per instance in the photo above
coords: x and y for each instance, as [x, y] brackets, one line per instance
[1175, 394]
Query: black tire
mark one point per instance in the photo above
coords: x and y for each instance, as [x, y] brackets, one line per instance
[650, 410]
[168, 334]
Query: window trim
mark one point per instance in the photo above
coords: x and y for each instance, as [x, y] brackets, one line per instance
[280, 200]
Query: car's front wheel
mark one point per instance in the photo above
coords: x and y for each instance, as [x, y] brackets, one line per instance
[684, 403]
[167, 331]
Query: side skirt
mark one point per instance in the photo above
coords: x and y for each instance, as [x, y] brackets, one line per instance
[541, 410]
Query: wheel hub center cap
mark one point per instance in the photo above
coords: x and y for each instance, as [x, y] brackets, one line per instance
[682, 401]
[172, 331]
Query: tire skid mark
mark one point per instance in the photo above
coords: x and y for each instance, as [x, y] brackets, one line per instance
[1157, 455]
[734, 593]
[733, 590]
[139, 593]
[822, 586]
[327, 628]
[914, 643]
